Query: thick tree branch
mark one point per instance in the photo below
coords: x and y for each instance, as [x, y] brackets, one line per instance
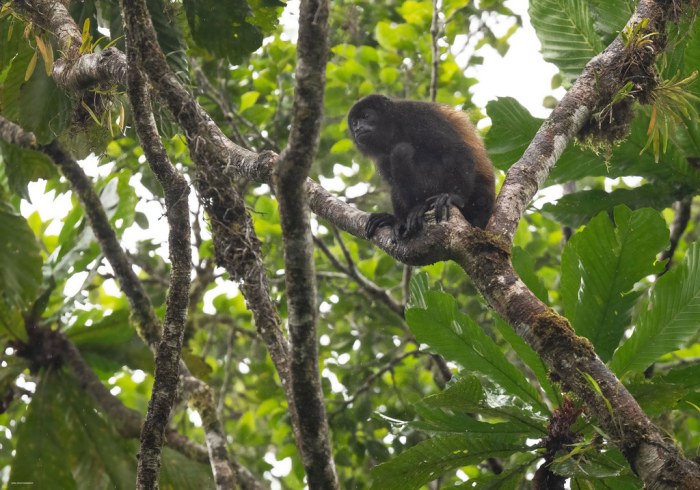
[176, 190]
[300, 281]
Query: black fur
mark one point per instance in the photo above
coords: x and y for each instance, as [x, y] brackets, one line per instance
[431, 158]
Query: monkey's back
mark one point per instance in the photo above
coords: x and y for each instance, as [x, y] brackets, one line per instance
[440, 129]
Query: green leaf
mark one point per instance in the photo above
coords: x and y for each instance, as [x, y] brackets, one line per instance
[670, 317]
[600, 266]
[61, 435]
[465, 395]
[593, 466]
[393, 37]
[388, 75]
[511, 132]
[656, 397]
[686, 376]
[524, 265]
[66, 442]
[456, 337]
[578, 208]
[439, 421]
[530, 358]
[611, 16]
[20, 260]
[341, 146]
[248, 99]
[227, 28]
[565, 29]
[418, 13]
[675, 169]
[25, 166]
[37, 104]
[112, 343]
[429, 459]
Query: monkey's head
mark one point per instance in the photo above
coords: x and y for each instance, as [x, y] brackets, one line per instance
[372, 126]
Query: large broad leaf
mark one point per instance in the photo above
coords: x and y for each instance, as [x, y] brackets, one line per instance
[20, 260]
[578, 208]
[525, 266]
[671, 317]
[456, 337]
[465, 395]
[24, 166]
[232, 28]
[655, 396]
[439, 421]
[112, 343]
[609, 467]
[37, 104]
[63, 434]
[512, 129]
[692, 56]
[611, 16]
[672, 167]
[566, 30]
[429, 459]
[600, 266]
[65, 442]
[530, 358]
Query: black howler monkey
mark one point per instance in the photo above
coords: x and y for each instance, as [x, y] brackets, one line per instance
[431, 157]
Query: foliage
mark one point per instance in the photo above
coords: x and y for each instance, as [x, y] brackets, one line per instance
[389, 409]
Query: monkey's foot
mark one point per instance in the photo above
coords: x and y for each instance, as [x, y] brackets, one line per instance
[414, 220]
[377, 220]
[442, 204]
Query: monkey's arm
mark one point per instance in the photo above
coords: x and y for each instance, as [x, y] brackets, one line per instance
[430, 183]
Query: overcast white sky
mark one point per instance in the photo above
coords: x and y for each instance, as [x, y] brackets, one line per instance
[521, 73]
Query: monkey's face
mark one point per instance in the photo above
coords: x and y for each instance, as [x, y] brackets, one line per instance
[370, 126]
[364, 125]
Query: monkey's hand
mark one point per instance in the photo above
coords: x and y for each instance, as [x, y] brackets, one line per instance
[377, 220]
[442, 204]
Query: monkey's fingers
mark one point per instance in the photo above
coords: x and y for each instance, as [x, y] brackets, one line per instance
[377, 220]
[442, 204]
[398, 232]
[414, 220]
